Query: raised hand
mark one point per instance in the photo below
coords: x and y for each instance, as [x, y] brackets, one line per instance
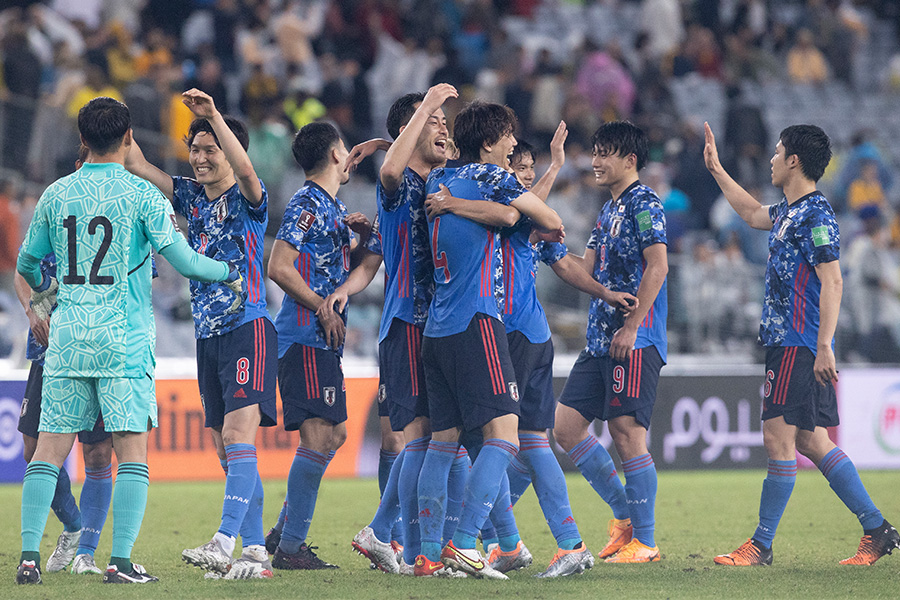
[364, 150]
[200, 103]
[437, 95]
[710, 152]
[557, 145]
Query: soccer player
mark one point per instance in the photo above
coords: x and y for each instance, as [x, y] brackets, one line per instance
[81, 529]
[615, 377]
[531, 352]
[226, 207]
[418, 126]
[468, 373]
[311, 257]
[800, 313]
[101, 223]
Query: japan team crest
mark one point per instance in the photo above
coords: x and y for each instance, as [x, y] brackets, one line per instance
[330, 395]
[221, 209]
[513, 390]
[24, 407]
[616, 226]
[382, 394]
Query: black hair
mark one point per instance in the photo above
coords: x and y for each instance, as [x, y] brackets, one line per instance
[312, 144]
[236, 126]
[481, 124]
[103, 123]
[521, 149]
[811, 146]
[622, 138]
[401, 112]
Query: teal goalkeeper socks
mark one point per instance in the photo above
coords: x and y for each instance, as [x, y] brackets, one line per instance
[38, 489]
[129, 503]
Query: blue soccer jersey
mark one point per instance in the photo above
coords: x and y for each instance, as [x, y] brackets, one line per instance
[625, 228]
[465, 254]
[519, 305]
[400, 235]
[229, 229]
[804, 234]
[314, 225]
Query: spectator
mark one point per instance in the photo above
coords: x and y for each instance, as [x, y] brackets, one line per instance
[22, 77]
[805, 62]
[866, 190]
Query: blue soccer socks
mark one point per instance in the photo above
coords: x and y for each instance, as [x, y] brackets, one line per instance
[432, 503]
[408, 490]
[386, 460]
[595, 463]
[776, 491]
[482, 489]
[550, 486]
[95, 497]
[38, 489]
[456, 489]
[240, 486]
[303, 489]
[389, 508]
[501, 516]
[518, 474]
[129, 502]
[63, 503]
[843, 478]
[640, 490]
[252, 526]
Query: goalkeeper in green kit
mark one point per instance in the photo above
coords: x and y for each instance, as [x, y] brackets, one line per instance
[101, 222]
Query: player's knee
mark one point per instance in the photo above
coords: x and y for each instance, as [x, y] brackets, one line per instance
[29, 444]
[566, 436]
[97, 456]
[338, 437]
[392, 442]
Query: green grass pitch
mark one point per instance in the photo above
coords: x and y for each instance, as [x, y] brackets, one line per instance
[699, 514]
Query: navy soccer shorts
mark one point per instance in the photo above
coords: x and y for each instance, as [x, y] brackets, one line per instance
[533, 365]
[31, 411]
[238, 369]
[469, 376]
[311, 381]
[602, 388]
[402, 374]
[791, 390]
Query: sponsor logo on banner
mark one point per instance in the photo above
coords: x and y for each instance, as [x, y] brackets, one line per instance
[887, 421]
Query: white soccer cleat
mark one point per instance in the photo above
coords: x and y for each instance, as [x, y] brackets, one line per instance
[84, 564]
[210, 556]
[381, 554]
[66, 546]
[253, 564]
[569, 562]
[469, 561]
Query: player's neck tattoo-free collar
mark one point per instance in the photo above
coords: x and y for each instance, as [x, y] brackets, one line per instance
[312, 183]
[624, 193]
[804, 197]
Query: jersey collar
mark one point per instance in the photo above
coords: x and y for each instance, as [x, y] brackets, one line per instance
[625, 192]
[312, 183]
[803, 198]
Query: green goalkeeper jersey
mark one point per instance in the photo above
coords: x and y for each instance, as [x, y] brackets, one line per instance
[101, 223]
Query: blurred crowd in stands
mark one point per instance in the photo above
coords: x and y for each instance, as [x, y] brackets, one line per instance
[749, 67]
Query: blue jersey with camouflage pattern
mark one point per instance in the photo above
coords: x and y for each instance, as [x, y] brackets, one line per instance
[314, 225]
[804, 234]
[229, 229]
[466, 255]
[400, 235]
[520, 306]
[625, 228]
